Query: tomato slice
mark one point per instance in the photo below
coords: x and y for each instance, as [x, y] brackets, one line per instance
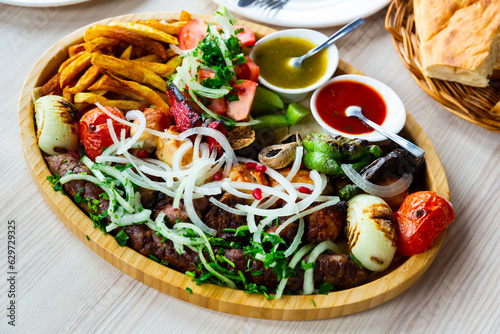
[240, 110]
[246, 37]
[248, 70]
[191, 34]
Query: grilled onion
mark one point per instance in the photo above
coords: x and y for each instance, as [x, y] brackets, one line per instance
[57, 124]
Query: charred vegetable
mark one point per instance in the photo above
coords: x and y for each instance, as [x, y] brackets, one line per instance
[282, 154]
[399, 162]
[57, 124]
[185, 116]
[326, 153]
[371, 232]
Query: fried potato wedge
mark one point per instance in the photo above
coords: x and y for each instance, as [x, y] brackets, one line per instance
[86, 79]
[150, 58]
[100, 43]
[67, 95]
[107, 83]
[128, 36]
[163, 70]
[185, 16]
[127, 53]
[145, 92]
[120, 104]
[146, 31]
[70, 60]
[129, 70]
[173, 28]
[74, 49]
[75, 68]
[52, 86]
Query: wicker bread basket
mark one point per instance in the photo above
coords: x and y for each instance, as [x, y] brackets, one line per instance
[470, 103]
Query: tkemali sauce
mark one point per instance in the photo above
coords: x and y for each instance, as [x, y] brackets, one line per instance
[333, 100]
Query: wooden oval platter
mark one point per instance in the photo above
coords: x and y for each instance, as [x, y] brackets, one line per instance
[175, 283]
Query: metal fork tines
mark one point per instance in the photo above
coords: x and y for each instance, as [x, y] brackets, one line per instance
[272, 6]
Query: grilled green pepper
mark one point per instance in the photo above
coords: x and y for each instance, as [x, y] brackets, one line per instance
[326, 153]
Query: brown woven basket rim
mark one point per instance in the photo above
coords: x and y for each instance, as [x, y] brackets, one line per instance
[469, 103]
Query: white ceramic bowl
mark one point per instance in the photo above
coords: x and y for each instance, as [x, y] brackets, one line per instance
[396, 114]
[315, 37]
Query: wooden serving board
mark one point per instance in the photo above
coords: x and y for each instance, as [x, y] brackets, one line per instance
[175, 283]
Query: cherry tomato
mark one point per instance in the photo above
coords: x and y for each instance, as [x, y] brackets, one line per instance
[421, 217]
[192, 33]
[248, 70]
[94, 131]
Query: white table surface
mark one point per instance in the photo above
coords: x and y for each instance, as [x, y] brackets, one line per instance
[63, 287]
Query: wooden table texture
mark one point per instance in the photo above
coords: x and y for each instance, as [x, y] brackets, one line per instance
[63, 287]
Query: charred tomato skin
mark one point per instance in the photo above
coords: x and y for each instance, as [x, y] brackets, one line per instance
[421, 217]
[94, 131]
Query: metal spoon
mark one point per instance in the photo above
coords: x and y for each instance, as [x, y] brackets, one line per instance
[297, 61]
[410, 147]
[245, 3]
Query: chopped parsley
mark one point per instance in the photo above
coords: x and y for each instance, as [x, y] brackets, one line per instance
[188, 289]
[121, 238]
[56, 183]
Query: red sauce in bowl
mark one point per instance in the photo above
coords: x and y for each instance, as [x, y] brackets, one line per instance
[334, 98]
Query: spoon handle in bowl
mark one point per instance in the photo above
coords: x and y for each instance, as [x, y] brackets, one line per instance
[407, 145]
[340, 33]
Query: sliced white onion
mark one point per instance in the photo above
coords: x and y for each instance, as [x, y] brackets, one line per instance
[188, 200]
[179, 51]
[215, 134]
[299, 153]
[381, 191]
[151, 131]
[319, 185]
[134, 115]
[296, 240]
[308, 274]
[227, 208]
[82, 177]
[198, 231]
[179, 154]
[251, 219]
[293, 262]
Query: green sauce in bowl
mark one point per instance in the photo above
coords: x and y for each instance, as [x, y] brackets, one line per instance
[273, 58]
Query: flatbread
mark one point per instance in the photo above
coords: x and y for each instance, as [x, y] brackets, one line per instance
[459, 39]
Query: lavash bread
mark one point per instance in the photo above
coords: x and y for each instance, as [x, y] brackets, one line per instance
[459, 39]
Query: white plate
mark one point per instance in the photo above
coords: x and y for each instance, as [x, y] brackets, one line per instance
[41, 3]
[309, 13]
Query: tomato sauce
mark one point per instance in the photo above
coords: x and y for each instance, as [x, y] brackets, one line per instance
[333, 100]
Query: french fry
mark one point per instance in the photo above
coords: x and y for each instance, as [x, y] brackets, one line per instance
[70, 60]
[147, 93]
[127, 53]
[146, 31]
[150, 58]
[163, 70]
[100, 43]
[120, 104]
[107, 83]
[75, 68]
[86, 79]
[51, 86]
[67, 95]
[128, 36]
[129, 70]
[185, 16]
[173, 28]
[74, 49]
